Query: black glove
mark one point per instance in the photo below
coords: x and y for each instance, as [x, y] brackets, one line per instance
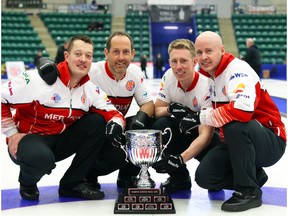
[48, 70]
[189, 122]
[168, 164]
[178, 110]
[114, 134]
[139, 121]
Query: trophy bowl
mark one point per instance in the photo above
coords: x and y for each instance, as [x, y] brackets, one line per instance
[144, 147]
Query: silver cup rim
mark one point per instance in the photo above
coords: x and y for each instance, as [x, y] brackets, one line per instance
[143, 131]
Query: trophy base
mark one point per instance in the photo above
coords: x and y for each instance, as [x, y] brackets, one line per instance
[144, 201]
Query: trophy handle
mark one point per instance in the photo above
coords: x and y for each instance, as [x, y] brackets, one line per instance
[165, 146]
[124, 149]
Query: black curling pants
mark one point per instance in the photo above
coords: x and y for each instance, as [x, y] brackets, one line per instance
[233, 164]
[37, 154]
[180, 142]
[113, 158]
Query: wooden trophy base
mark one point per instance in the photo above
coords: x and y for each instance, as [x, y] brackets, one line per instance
[144, 201]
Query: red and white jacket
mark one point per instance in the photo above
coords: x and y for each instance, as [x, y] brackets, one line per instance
[238, 95]
[196, 97]
[46, 110]
[131, 86]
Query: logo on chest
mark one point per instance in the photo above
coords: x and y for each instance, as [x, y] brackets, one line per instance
[195, 102]
[56, 98]
[130, 85]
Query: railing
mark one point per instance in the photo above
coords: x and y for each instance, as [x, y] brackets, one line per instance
[37, 6]
[194, 9]
[24, 4]
[259, 9]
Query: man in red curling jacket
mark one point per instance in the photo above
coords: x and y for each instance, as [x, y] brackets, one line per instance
[56, 116]
[252, 132]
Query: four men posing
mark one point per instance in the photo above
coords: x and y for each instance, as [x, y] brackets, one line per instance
[230, 102]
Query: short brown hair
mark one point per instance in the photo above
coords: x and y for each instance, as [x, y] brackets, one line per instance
[84, 38]
[118, 33]
[182, 44]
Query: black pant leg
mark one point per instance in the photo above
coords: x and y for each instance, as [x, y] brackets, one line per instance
[35, 158]
[130, 169]
[232, 165]
[214, 170]
[86, 138]
[179, 142]
[214, 142]
[110, 159]
[250, 146]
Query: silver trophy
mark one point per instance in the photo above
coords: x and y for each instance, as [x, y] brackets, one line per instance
[144, 147]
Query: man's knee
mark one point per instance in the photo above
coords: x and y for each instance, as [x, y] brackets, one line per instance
[165, 122]
[37, 163]
[94, 119]
[114, 161]
[201, 178]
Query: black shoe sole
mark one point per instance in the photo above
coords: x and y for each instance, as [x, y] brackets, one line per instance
[169, 190]
[243, 207]
[26, 196]
[86, 196]
[29, 193]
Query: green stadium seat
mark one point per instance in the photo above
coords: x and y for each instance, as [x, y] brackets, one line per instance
[270, 34]
[64, 25]
[19, 39]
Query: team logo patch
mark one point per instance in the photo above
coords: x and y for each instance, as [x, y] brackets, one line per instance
[161, 86]
[107, 99]
[97, 90]
[162, 95]
[83, 99]
[242, 95]
[26, 77]
[164, 77]
[10, 88]
[130, 85]
[56, 98]
[195, 102]
[207, 97]
[239, 88]
[211, 90]
[237, 75]
[224, 91]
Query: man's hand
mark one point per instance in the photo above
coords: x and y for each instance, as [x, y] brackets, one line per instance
[189, 122]
[48, 70]
[114, 134]
[168, 164]
[13, 143]
[139, 121]
[178, 110]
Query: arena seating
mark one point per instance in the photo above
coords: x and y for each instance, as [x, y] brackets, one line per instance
[19, 40]
[138, 26]
[64, 25]
[269, 32]
[206, 22]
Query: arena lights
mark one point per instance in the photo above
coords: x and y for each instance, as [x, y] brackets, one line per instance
[171, 27]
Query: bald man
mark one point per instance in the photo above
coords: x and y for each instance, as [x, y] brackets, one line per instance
[253, 56]
[252, 133]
